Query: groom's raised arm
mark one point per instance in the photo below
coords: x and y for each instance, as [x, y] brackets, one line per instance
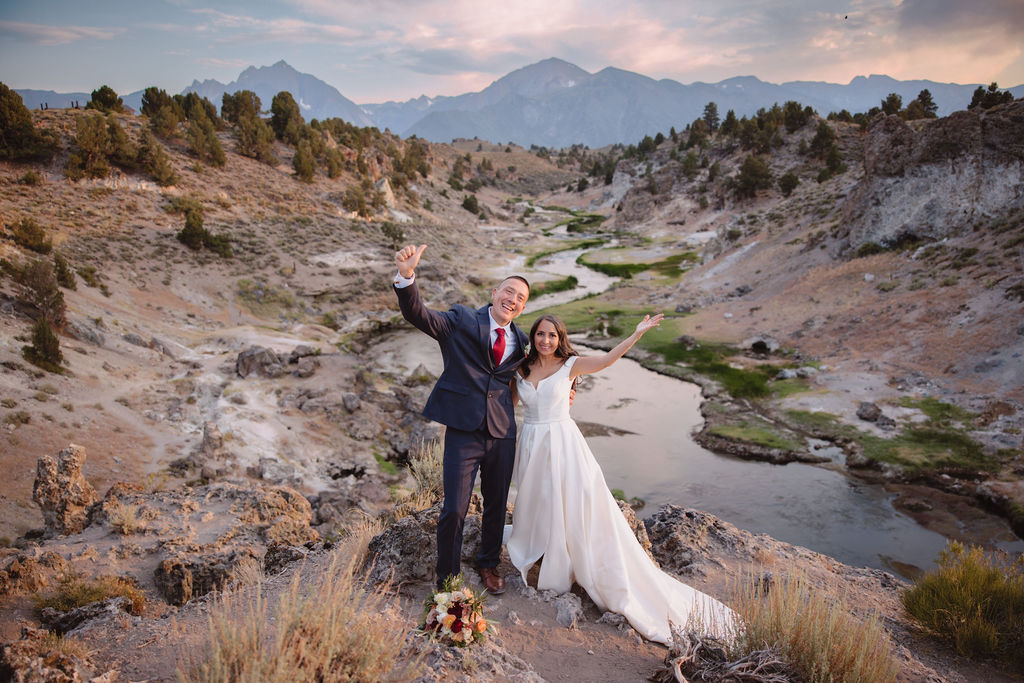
[434, 323]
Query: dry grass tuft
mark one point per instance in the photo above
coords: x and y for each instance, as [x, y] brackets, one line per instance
[337, 631]
[356, 540]
[124, 518]
[72, 591]
[818, 636]
[765, 556]
[247, 572]
[427, 467]
[54, 650]
[975, 601]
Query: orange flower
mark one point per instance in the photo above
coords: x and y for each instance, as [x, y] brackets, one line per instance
[481, 626]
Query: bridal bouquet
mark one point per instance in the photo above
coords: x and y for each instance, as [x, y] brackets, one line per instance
[455, 615]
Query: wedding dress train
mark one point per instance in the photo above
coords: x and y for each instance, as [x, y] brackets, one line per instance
[565, 513]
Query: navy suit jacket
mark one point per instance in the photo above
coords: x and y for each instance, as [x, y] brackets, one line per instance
[471, 392]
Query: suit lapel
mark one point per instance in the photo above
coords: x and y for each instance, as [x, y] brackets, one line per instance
[483, 319]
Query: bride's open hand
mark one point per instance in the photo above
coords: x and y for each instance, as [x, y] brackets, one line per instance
[648, 322]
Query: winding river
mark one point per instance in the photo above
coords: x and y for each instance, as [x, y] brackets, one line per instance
[653, 456]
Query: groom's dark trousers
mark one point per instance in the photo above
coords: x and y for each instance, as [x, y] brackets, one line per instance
[473, 399]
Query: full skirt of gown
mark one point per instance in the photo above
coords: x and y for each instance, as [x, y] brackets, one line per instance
[565, 513]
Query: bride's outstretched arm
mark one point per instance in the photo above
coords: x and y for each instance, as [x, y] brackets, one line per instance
[586, 365]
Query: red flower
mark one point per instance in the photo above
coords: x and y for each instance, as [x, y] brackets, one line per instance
[457, 626]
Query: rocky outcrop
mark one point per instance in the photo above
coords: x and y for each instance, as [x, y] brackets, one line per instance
[62, 622]
[932, 179]
[200, 536]
[33, 659]
[62, 492]
[187, 575]
[267, 363]
[29, 574]
[681, 538]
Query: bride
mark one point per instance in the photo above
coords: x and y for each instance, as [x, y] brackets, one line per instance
[565, 513]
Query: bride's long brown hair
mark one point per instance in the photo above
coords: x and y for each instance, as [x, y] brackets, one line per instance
[563, 350]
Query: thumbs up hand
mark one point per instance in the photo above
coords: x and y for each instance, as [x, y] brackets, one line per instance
[407, 259]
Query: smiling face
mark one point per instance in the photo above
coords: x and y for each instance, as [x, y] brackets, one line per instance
[545, 339]
[509, 300]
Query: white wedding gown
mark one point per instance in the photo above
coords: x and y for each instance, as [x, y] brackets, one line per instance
[565, 513]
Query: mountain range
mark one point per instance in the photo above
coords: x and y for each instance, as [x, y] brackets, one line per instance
[556, 104]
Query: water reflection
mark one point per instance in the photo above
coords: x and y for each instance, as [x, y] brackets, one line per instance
[817, 507]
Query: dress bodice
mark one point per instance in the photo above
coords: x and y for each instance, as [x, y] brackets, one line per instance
[549, 401]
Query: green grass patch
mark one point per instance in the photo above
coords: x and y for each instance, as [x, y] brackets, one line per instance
[385, 465]
[551, 286]
[756, 433]
[975, 602]
[710, 360]
[668, 266]
[919, 449]
[818, 421]
[581, 315]
[781, 388]
[937, 411]
[579, 244]
[580, 222]
[555, 207]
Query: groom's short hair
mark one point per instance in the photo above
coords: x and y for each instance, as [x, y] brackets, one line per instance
[520, 278]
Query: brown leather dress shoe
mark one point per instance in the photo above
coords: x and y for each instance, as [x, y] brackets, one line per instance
[493, 582]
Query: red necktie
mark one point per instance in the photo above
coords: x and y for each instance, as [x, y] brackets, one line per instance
[499, 347]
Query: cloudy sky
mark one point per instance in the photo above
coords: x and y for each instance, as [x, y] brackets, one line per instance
[376, 50]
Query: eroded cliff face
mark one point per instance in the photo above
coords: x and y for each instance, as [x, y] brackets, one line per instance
[935, 179]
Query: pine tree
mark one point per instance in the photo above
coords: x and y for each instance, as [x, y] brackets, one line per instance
[823, 139]
[795, 116]
[710, 116]
[303, 162]
[63, 273]
[155, 161]
[788, 183]
[120, 150]
[286, 118]
[44, 351]
[193, 234]
[927, 104]
[19, 139]
[105, 100]
[986, 99]
[730, 126]
[37, 286]
[92, 142]
[892, 104]
[753, 176]
[202, 139]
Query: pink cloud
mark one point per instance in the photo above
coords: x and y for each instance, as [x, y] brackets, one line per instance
[42, 34]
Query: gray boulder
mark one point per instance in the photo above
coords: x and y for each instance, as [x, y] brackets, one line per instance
[869, 412]
[259, 360]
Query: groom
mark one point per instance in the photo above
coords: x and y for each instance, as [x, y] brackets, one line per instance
[481, 350]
